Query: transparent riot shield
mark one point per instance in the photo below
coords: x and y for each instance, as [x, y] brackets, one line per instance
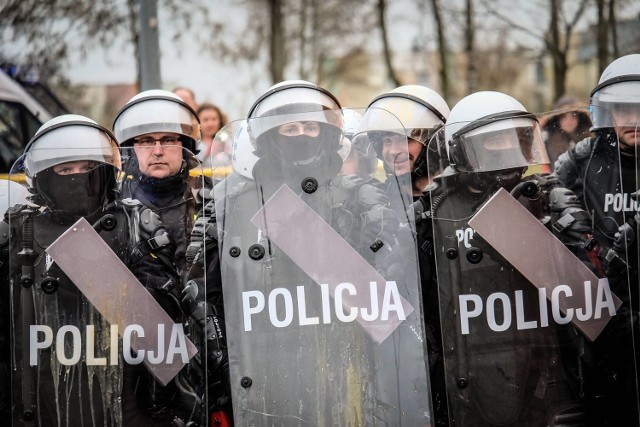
[104, 330]
[11, 193]
[534, 333]
[320, 278]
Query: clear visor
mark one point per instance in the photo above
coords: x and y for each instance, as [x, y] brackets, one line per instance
[506, 144]
[380, 120]
[156, 115]
[261, 125]
[71, 144]
[412, 115]
[614, 114]
[277, 102]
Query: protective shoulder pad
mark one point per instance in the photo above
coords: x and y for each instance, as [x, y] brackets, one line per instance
[150, 222]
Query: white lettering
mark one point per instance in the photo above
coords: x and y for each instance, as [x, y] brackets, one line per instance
[273, 307]
[544, 311]
[555, 305]
[177, 344]
[563, 307]
[371, 315]
[76, 345]
[127, 349]
[35, 345]
[113, 354]
[466, 313]
[392, 302]
[520, 322]
[157, 357]
[69, 338]
[302, 309]
[608, 201]
[326, 305]
[91, 343]
[491, 311]
[586, 313]
[248, 310]
[604, 299]
[620, 202]
[340, 314]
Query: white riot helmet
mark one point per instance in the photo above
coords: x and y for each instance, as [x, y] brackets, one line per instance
[422, 111]
[491, 131]
[157, 111]
[243, 160]
[617, 96]
[69, 138]
[72, 138]
[295, 101]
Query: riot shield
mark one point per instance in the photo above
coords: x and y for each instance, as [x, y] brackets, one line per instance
[320, 279]
[527, 322]
[11, 193]
[104, 332]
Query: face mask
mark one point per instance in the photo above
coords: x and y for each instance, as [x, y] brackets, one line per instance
[298, 149]
[78, 195]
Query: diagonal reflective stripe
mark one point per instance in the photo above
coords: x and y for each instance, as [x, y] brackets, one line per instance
[326, 257]
[118, 295]
[539, 256]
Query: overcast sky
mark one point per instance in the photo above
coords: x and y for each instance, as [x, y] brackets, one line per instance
[234, 87]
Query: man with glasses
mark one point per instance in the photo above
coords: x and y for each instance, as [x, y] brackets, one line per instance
[158, 134]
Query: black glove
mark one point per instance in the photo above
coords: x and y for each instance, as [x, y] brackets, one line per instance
[210, 322]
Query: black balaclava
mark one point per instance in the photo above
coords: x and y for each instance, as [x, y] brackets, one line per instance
[299, 156]
[76, 195]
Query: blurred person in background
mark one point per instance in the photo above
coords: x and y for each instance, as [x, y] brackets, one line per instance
[187, 95]
[568, 123]
[212, 152]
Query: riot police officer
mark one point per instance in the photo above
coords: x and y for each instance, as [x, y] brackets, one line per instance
[159, 133]
[603, 170]
[304, 255]
[71, 166]
[422, 111]
[498, 371]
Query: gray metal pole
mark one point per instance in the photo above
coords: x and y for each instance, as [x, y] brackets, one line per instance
[149, 48]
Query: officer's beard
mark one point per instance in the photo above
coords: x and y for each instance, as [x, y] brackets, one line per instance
[76, 195]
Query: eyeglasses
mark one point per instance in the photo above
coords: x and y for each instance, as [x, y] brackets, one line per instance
[165, 141]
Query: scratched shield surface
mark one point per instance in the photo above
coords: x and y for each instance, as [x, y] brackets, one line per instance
[534, 328]
[320, 275]
[99, 330]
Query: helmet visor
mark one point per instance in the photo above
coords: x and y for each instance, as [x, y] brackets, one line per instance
[260, 126]
[70, 144]
[507, 144]
[155, 115]
[616, 105]
[287, 100]
[412, 115]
